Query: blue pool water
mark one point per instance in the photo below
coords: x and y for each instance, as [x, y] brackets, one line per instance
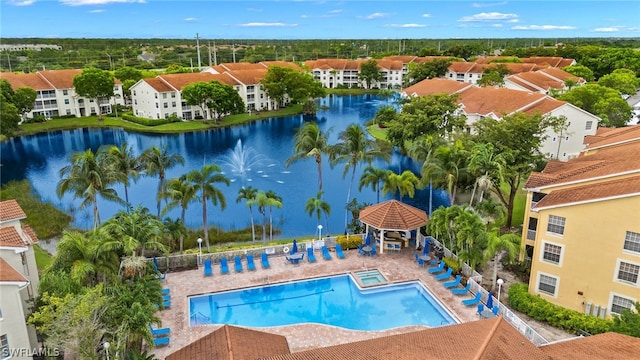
[335, 300]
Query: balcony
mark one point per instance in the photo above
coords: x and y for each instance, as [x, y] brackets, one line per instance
[531, 234]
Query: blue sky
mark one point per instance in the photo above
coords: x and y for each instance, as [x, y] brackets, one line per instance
[353, 19]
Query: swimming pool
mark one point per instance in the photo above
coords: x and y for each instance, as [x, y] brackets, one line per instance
[370, 277]
[334, 300]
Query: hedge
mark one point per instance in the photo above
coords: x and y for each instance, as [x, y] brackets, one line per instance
[148, 122]
[352, 243]
[570, 320]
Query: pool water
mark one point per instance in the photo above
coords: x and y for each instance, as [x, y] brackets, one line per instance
[335, 300]
[370, 277]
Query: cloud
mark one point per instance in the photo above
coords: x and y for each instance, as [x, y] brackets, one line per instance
[405, 26]
[21, 2]
[543, 27]
[97, 11]
[488, 16]
[606, 29]
[191, 19]
[426, 15]
[266, 24]
[98, 2]
[336, 11]
[254, 9]
[481, 5]
[375, 16]
[329, 14]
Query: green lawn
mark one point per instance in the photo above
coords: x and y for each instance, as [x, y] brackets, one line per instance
[518, 205]
[43, 258]
[377, 132]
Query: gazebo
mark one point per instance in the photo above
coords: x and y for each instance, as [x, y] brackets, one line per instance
[393, 215]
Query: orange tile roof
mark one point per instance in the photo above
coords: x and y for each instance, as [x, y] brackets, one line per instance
[60, 79]
[465, 67]
[600, 191]
[248, 77]
[544, 107]
[232, 342]
[32, 234]
[9, 237]
[436, 86]
[179, 81]
[612, 136]
[9, 274]
[607, 346]
[11, 210]
[158, 85]
[337, 64]
[560, 74]
[241, 66]
[389, 64]
[26, 80]
[537, 80]
[497, 101]
[282, 64]
[393, 215]
[554, 61]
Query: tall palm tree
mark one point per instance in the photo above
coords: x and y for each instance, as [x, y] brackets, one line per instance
[499, 244]
[126, 165]
[404, 184]
[274, 200]
[181, 192]
[248, 194]
[354, 147]
[261, 201]
[373, 177]
[318, 206]
[310, 141]
[86, 177]
[203, 181]
[156, 161]
[133, 232]
[487, 165]
[447, 166]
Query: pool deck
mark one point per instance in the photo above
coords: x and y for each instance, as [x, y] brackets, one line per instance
[395, 266]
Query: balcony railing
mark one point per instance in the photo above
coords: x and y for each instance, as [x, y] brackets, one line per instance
[531, 234]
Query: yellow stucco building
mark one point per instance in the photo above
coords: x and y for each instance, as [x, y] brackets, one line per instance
[582, 226]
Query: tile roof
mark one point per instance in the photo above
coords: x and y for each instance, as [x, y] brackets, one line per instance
[436, 86]
[600, 191]
[29, 232]
[389, 64]
[535, 81]
[333, 64]
[158, 85]
[31, 80]
[241, 66]
[554, 61]
[282, 64]
[497, 101]
[560, 74]
[233, 343]
[393, 215]
[544, 106]
[11, 210]
[610, 136]
[607, 346]
[248, 77]
[9, 237]
[179, 81]
[9, 274]
[60, 79]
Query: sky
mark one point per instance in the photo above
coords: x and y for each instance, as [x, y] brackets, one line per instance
[319, 19]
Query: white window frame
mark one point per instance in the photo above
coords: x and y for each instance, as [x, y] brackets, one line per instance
[616, 275]
[560, 258]
[633, 238]
[5, 350]
[613, 295]
[549, 223]
[557, 286]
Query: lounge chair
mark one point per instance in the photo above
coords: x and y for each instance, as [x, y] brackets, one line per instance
[325, 253]
[161, 341]
[166, 298]
[238, 263]
[418, 260]
[474, 301]
[444, 276]
[454, 283]
[224, 266]
[434, 270]
[495, 310]
[207, 268]
[339, 252]
[166, 303]
[160, 332]
[265, 261]
[251, 265]
[461, 291]
[310, 256]
[166, 291]
[373, 250]
[360, 251]
[480, 309]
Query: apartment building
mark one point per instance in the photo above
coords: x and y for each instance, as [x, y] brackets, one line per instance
[332, 73]
[543, 81]
[582, 226]
[56, 94]
[18, 281]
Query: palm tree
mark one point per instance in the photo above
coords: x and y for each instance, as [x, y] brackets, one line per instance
[134, 231]
[87, 177]
[310, 141]
[261, 201]
[404, 184]
[355, 147]
[422, 150]
[509, 243]
[156, 162]
[203, 181]
[373, 177]
[487, 166]
[173, 230]
[248, 194]
[318, 206]
[447, 165]
[181, 192]
[126, 165]
[274, 200]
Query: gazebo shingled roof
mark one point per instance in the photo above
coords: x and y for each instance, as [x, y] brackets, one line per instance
[393, 215]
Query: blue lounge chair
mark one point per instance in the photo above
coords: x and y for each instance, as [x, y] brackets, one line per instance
[440, 267]
[373, 250]
[310, 256]
[166, 298]
[224, 266]
[339, 252]
[474, 301]
[453, 283]
[360, 251]
[238, 263]
[461, 291]
[207, 268]
[325, 253]
[161, 341]
[418, 260]
[166, 291]
[265, 261]
[495, 310]
[160, 332]
[250, 263]
[444, 276]
[166, 303]
[480, 309]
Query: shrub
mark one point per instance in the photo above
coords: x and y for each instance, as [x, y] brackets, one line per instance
[149, 122]
[351, 243]
[453, 264]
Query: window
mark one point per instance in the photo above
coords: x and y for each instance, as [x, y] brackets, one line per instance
[165, 105]
[66, 101]
[134, 93]
[5, 352]
[619, 303]
[173, 95]
[164, 95]
[632, 241]
[547, 284]
[65, 92]
[556, 225]
[156, 95]
[589, 125]
[157, 106]
[628, 272]
[551, 253]
[173, 104]
[68, 111]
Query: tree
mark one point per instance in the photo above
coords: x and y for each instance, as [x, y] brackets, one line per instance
[623, 80]
[580, 71]
[369, 73]
[493, 75]
[273, 200]
[602, 101]
[24, 99]
[274, 83]
[203, 181]
[126, 165]
[373, 177]
[354, 147]
[318, 206]
[157, 161]
[402, 184]
[181, 192]
[281, 82]
[128, 73]
[133, 232]
[309, 141]
[486, 165]
[499, 244]
[262, 201]
[224, 99]
[427, 70]
[9, 117]
[94, 84]
[198, 94]
[248, 194]
[628, 322]
[88, 176]
[385, 115]
[446, 167]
